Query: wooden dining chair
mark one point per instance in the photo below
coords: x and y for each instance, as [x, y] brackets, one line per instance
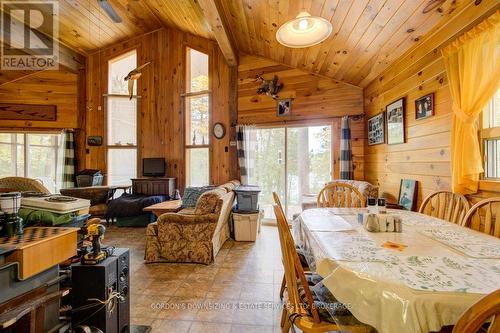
[299, 297]
[484, 216]
[477, 315]
[445, 205]
[339, 194]
[303, 263]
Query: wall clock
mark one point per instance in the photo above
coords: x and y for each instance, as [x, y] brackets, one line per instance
[219, 130]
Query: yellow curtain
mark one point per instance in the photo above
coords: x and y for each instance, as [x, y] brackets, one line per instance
[473, 67]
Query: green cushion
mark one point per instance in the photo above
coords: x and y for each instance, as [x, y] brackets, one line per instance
[32, 216]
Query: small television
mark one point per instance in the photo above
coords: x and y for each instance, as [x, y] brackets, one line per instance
[153, 167]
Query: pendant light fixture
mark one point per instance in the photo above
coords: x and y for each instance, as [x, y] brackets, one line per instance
[304, 31]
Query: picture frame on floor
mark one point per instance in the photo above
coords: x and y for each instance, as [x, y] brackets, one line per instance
[424, 106]
[395, 116]
[408, 194]
[376, 129]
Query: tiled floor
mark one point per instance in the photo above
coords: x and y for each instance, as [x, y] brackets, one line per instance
[238, 293]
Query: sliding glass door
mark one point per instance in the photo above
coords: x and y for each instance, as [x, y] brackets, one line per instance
[267, 156]
[309, 161]
[295, 162]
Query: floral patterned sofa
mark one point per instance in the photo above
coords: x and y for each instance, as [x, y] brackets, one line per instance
[192, 235]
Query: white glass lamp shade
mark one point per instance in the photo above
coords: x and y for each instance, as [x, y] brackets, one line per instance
[304, 31]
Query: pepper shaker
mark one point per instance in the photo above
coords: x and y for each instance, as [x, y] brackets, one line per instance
[398, 224]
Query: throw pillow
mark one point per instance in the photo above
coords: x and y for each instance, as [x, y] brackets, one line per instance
[191, 195]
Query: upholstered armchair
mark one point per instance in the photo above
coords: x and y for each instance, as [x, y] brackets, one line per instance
[192, 236]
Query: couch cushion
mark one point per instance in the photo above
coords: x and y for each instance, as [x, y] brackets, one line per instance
[187, 211]
[192, 194]
[208, 202]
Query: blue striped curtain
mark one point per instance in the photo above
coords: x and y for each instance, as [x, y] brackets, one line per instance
[345, 150]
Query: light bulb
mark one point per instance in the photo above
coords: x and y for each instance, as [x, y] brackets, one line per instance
[303, 24]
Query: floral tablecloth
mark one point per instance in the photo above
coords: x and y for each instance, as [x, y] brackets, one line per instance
[466, 242]
[420, 289]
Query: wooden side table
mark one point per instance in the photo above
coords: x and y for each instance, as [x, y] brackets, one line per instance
[171, 206]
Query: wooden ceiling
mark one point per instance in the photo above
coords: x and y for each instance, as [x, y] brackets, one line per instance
[85, 27]
[368, 35]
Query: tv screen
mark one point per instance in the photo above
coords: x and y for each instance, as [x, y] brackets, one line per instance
[153, 167]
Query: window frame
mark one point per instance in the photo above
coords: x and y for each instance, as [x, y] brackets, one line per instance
[107, 145]
[186, 95]
[488, 133]
[26, 151]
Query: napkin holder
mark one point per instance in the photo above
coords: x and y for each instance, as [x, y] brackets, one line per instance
[381, 222]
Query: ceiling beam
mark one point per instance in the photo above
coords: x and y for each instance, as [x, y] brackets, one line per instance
[214, 19]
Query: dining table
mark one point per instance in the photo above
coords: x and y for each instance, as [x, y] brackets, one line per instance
[418, 280]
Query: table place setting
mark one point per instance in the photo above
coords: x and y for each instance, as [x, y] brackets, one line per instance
[465, 242]
[322, 220]
[445, 274]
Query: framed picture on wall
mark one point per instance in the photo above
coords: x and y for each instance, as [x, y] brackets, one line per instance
[408, 194]
[376, 129]
[284, 107]
[424, 106]
[395, 115]
[94, 140]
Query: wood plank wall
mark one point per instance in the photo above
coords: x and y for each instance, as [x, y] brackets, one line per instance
[314, 96]
[425, 156]
[161, 119]
[45, 88]
[316, 100]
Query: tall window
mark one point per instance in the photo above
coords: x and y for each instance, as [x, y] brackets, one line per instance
[121, 121]
[490, 136]
[33, 155]
[197, 119]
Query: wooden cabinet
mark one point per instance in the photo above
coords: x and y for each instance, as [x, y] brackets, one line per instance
[154, 186]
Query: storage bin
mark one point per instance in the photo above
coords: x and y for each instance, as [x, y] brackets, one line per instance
[89, 177]
[246, 226]
[247, 198]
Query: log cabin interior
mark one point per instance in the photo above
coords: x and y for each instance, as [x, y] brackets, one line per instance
[250, 166]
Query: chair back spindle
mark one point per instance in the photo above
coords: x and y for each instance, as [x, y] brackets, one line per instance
[339, 194]
[445, 205]
[484, 217]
